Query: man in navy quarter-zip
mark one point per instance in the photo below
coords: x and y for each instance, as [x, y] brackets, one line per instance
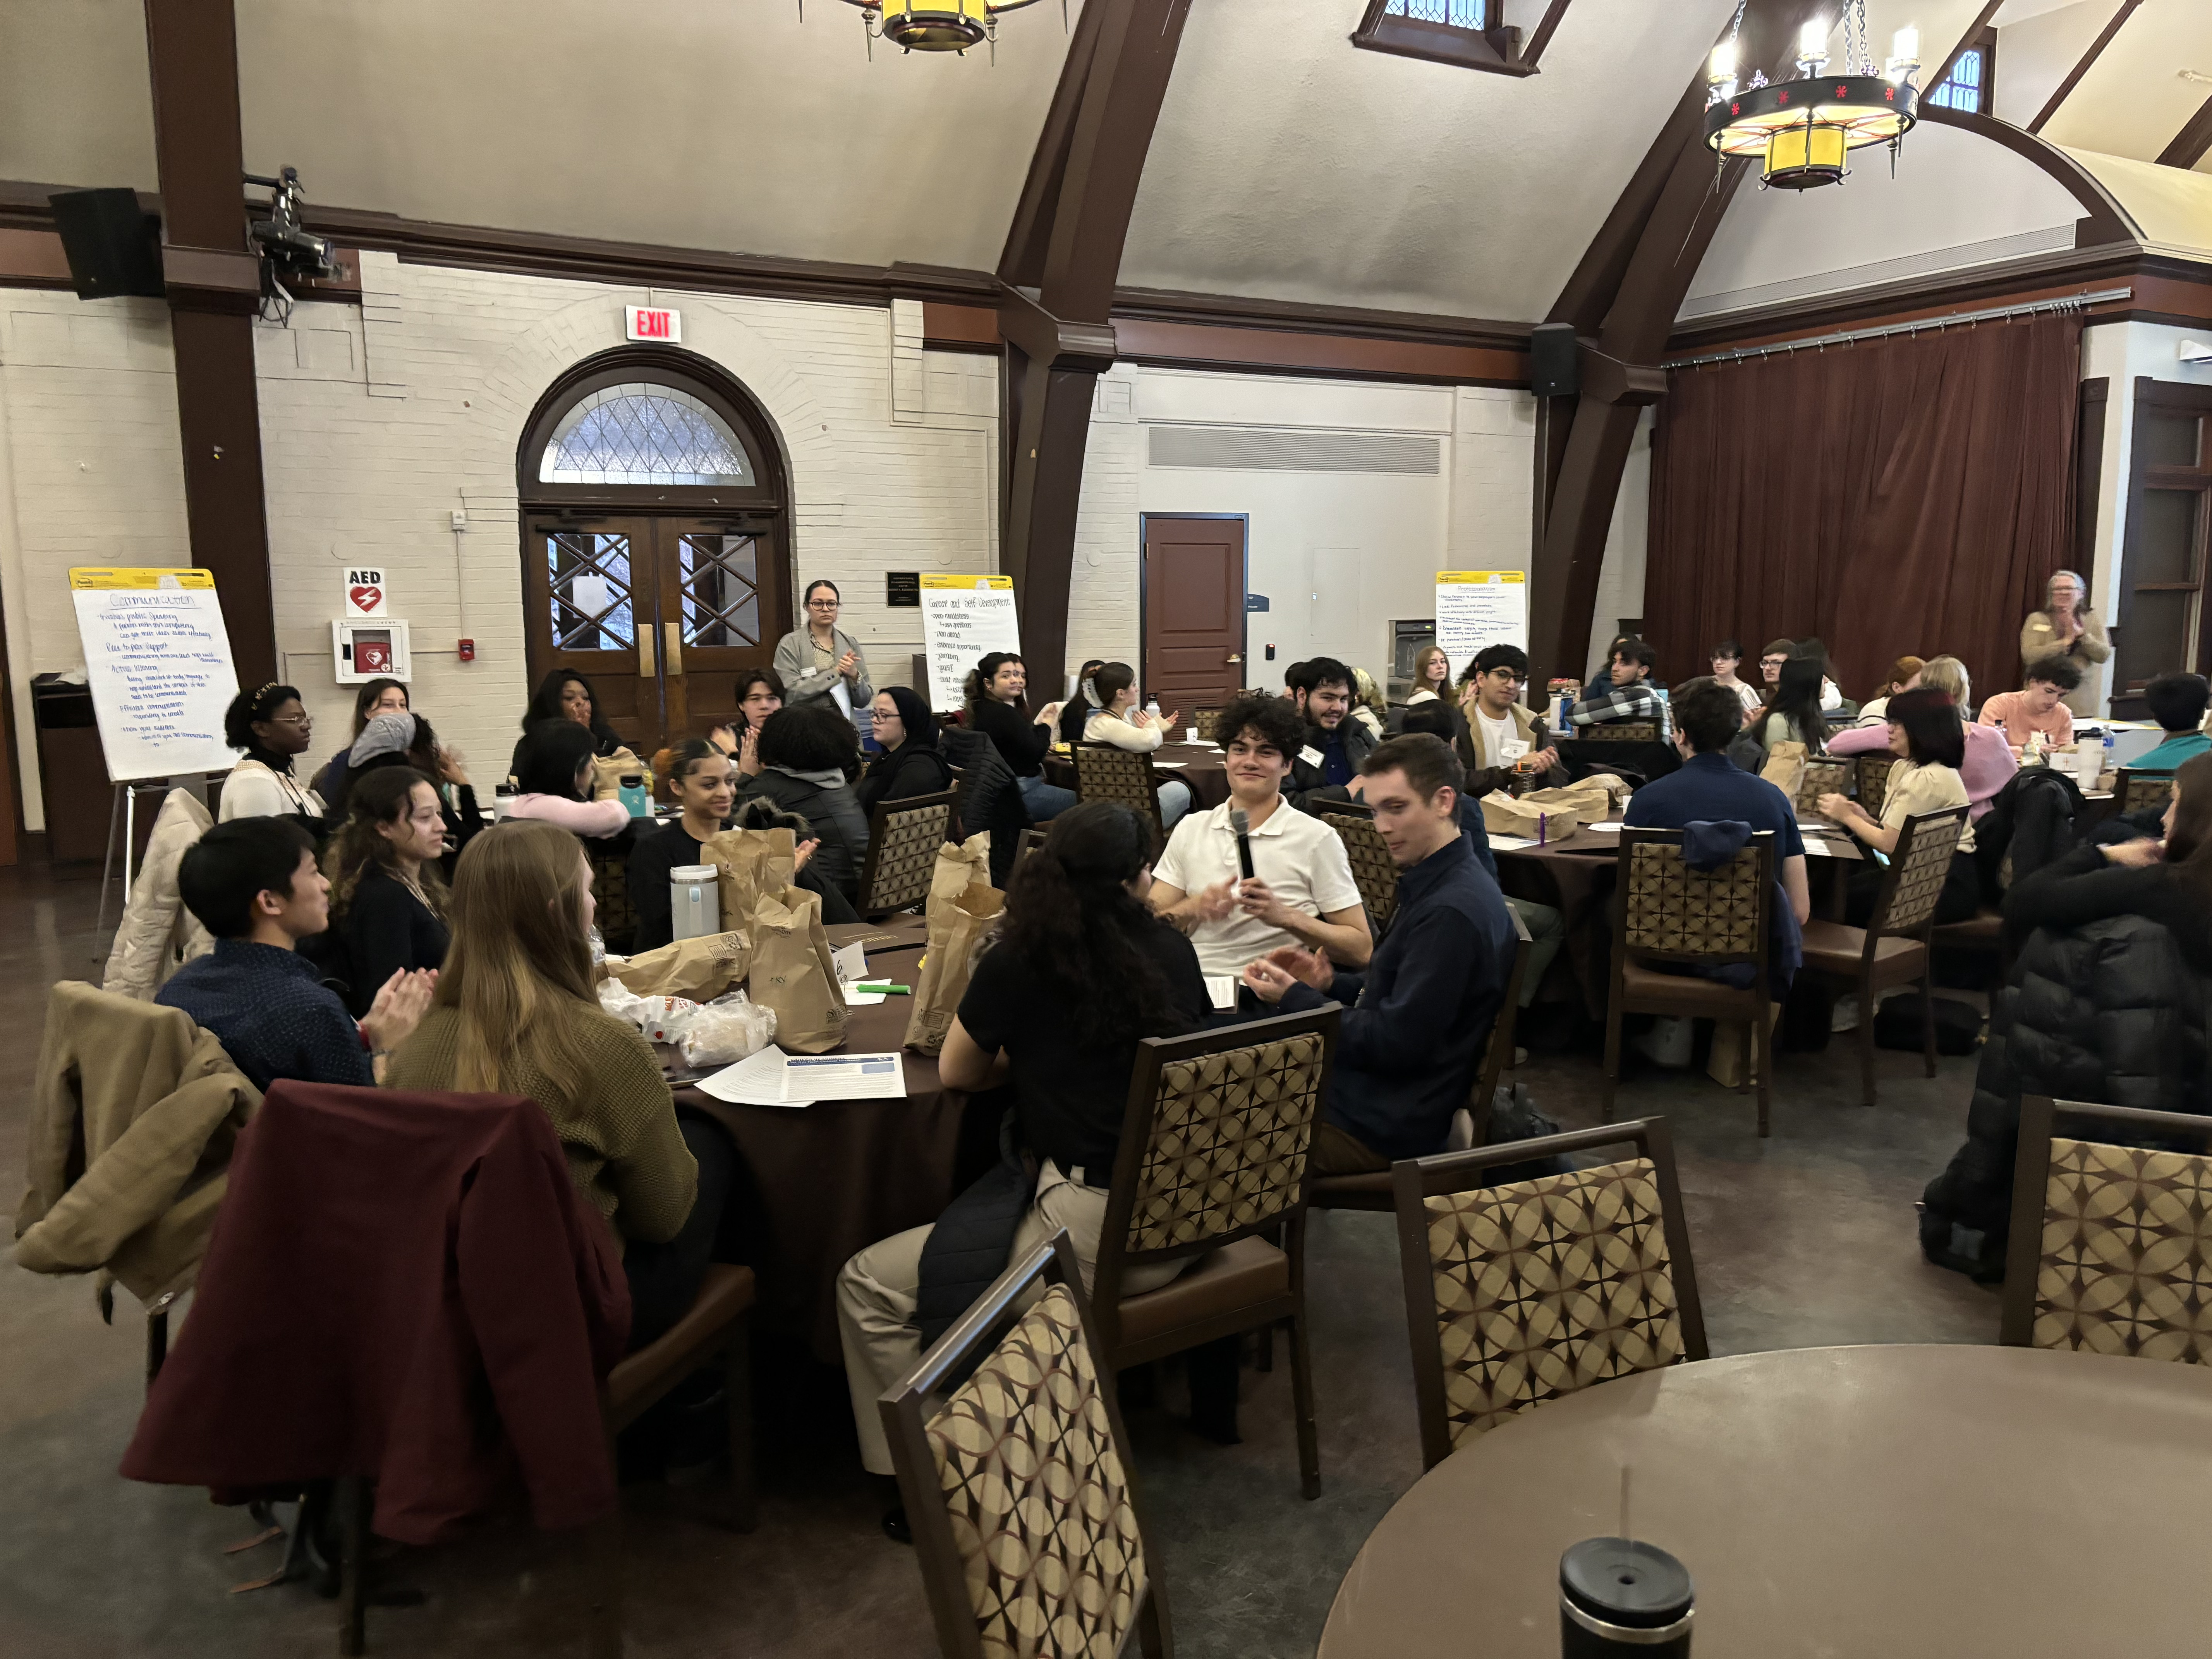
[1417, 1019]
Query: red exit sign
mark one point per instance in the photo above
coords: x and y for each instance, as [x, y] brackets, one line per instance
[644, 323]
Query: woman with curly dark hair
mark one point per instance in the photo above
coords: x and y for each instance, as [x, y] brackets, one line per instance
[387, 898]
[1081, 971]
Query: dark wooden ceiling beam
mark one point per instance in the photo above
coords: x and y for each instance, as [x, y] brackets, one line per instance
[213, 278]
[1626, 290]
[2103, 219]
[2190, 144]
[2074, 76]
[1063, 256]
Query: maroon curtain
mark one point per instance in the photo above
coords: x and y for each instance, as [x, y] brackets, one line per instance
[1907, 495]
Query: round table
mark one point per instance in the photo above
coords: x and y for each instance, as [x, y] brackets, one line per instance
[1887, 1502]
[822, 1181]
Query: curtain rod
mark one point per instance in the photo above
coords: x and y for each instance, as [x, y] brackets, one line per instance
[1996, 313]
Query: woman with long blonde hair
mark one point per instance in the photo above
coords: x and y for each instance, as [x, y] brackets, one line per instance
[515, 1013]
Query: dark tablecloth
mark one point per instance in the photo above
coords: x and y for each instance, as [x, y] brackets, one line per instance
[830, 1179]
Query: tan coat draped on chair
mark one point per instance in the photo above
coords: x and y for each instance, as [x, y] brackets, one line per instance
[157, 935]
[161, 1105]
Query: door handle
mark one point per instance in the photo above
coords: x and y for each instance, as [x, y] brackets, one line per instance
[673, 633]
[1234, 656]
[645, 652]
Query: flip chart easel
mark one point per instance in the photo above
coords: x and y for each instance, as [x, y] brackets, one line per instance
[962, 617]
[157, 663]
[1476, 609]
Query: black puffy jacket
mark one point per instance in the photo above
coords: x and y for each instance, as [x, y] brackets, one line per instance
[2114, 1010]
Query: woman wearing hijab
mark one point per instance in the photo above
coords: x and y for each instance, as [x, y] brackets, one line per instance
[911, 763]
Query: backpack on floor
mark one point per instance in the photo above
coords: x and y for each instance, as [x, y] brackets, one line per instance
[1957, 1026]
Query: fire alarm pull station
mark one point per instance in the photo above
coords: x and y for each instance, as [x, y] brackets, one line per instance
[468, 650]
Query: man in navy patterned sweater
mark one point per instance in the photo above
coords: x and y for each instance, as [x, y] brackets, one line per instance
[253, 885]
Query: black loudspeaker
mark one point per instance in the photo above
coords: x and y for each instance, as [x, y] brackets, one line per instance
[1553, 369]
[113, 245]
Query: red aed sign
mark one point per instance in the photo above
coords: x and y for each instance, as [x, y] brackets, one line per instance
[645, 323]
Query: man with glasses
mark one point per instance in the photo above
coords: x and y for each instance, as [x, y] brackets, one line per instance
[821, 662]
[1777, 652]
[1509, 739]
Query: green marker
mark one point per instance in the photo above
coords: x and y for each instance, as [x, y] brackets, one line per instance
[888, 990]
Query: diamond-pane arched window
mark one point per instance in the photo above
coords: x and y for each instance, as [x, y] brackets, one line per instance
[640, 433]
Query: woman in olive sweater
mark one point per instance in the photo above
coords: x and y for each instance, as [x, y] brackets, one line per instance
[515, 1013]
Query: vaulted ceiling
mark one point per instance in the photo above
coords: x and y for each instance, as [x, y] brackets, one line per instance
[1287, 164]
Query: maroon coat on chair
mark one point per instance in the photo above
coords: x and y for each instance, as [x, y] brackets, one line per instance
[402, 1285]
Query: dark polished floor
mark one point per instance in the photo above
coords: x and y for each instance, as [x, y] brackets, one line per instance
[1802, 1240]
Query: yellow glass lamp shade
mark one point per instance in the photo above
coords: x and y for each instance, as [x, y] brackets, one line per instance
[1800, 157]
[936, 24]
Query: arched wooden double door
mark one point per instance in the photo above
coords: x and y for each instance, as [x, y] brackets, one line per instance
[656, 555]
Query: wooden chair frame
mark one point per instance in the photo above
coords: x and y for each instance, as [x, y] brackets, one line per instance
[872, 904]
[1138, 757]
[1872, 978]
[2153, 788]
[1372, 1191]
[905, 1416]
[2032, 1179]
[1701, 998]
[1414, 1180]
[1154, 1055]
[1031, 839]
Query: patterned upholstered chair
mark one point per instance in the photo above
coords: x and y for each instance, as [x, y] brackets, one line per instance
[1618, 731]
[1874, 781]
[1894, 947]
[1373, 871]
[614, 915]
[1372, 1191]
[1521, 1294]
[1105, 773]
[2111, 1248]
[904, 836]
[1668, 916]
[1206, 719]
[2139, 792]
[1822, 777]
[1012, 1460]
[1212, 1165]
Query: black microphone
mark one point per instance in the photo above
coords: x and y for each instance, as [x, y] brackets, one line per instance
[1240, 822]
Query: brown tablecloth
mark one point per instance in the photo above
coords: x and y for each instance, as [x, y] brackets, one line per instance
[1201, 767]
[1894, 1501]
[831, 1178]
[1576, 876]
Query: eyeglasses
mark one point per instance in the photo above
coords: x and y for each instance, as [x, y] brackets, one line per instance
[1772, 662]
[1508, 676]
[880, 714]
[822, 604]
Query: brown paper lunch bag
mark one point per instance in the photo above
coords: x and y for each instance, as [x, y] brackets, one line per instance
[793, 973]
[699, 969]
[749, 865]
[959, 928]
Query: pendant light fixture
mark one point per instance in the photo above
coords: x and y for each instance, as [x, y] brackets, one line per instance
[1803, 129]
[938, 25]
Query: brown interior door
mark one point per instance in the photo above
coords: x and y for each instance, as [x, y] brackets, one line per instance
[1194, 611]
[722, 607]
[592, 596]
[2163, 564]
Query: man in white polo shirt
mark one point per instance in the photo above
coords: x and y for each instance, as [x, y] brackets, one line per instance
[1301, 892]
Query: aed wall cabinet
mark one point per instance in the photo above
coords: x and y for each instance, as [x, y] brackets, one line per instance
[365, 650]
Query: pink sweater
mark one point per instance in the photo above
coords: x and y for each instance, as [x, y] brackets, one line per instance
[1988, 766]
[598, 818]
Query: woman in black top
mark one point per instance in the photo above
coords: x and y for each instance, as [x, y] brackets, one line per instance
[808, 755]
[995, 708]
[1077, 710]
[2168, 879]
[565, 695]
[705, 786]
[387, 899]
[911, 763]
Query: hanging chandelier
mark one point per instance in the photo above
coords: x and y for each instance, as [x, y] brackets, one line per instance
[1803, 129]
[936, 24]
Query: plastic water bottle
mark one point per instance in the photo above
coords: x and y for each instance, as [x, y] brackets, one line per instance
[503, 802]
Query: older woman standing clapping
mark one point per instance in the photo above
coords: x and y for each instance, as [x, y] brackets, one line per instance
[821, 662]
[2065, 627]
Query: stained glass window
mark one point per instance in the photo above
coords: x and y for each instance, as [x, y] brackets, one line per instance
[643, 434]
[1459, 14]
[1962, 87]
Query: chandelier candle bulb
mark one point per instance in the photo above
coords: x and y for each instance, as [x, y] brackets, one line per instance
[1813, 42]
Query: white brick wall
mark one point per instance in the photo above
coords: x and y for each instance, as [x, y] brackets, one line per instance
[379, 421]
